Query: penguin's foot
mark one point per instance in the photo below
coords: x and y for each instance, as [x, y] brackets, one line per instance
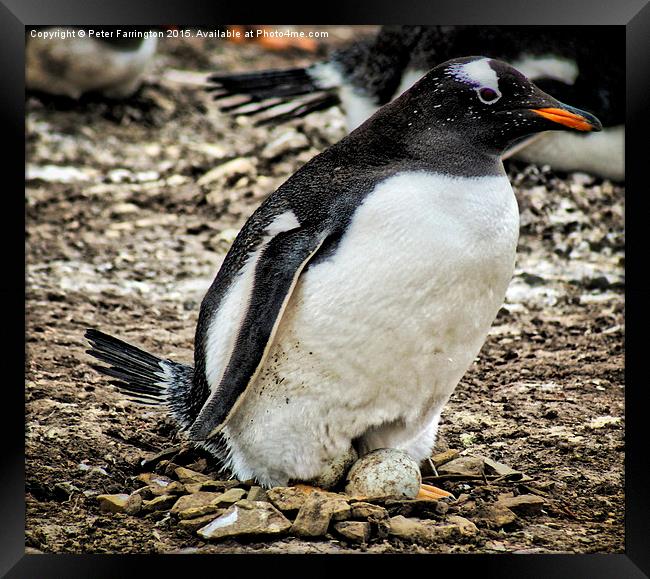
[432, 493]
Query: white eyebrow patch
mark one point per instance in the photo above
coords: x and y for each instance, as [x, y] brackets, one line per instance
[477, 73]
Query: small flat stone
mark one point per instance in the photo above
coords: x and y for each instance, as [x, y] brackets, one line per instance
[465, 527]
[246, 518]
[229, 170]
[167, 468]
[256, 494]
[230, 497]
[500, 469]
[463, 465]
[195, 512]
[421, 508]
[528, 504]
[444, 457]
[494, 467]
[417, 531]
[355, 531]
[364, 511]
[211, 486]
[287, 499]
[148, 478]
[496, 516]
[200, 465]
[290, 499]
[315, 515]
[198, 522]
[194, 500]
[286, 141]
[220, 485]
[193, 487]
[160, 503]
[187, 476]
[159, 484]
[120, 503]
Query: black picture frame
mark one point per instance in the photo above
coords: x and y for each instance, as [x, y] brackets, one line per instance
[634, 15]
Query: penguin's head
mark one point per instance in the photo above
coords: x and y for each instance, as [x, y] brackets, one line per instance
[488, 102]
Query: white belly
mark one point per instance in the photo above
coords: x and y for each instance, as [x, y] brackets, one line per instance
[384, 330]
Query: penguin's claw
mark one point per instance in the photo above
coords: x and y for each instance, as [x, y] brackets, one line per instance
[431, 493]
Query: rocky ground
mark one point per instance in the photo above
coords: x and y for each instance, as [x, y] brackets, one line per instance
[130, 210]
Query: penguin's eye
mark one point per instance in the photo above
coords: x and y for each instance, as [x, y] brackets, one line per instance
[488, 95]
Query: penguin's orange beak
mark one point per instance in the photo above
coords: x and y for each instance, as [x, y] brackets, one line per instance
[570, 117]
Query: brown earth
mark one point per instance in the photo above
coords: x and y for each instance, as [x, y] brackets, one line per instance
[121, 237]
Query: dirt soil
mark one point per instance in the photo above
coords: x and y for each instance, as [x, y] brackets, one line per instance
[121, 236]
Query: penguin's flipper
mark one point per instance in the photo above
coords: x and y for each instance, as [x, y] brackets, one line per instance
[275, 276]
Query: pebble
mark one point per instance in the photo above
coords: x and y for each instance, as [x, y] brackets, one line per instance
[316, 513]
[120, 503]
[200, 465]
[421, 508]
[246, 518]
[496, 516]
[465, 527]
[58, 174]
[234, 168]
[65, 489]
[194, 500]
[494, 467]
[220, 485]
[159, 484]
[256, 494]
[418, 531]
[194, 512]
[367, 510]
[196, 523]
[529, 504]
[463, 465]
[185, 475]
[230, 496]
[161, 503]
[124, 208]
[290, 499]
[444, 457]
[355, 531]
[602, 421]
[286, 142]
[193, 487]
[384, 472]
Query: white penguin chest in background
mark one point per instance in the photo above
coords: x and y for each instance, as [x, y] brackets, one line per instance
[385, 327]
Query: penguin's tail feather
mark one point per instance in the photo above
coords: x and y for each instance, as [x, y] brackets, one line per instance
[283, 94]
[143, 377]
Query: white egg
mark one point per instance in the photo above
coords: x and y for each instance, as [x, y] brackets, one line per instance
[384, 472]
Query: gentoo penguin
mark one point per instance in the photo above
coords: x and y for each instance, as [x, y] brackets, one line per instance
[74, 61]
[580, 65]
[357, 295]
